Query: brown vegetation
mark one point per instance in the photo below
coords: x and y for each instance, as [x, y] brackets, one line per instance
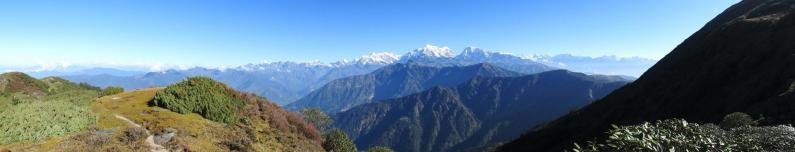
[13, 82]
[283, 120]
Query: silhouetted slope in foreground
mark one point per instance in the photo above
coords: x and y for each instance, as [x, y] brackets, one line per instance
[741, 61]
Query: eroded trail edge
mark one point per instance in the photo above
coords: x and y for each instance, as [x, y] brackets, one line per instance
[150, 139]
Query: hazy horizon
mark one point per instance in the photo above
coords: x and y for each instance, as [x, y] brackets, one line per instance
[228, 34]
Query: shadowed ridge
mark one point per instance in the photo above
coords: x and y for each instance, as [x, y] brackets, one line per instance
[391, 82]
[475, 114]
[740, 61]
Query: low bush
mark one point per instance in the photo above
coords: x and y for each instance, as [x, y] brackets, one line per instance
[737, 119]
[317, 117]
[57, 85]
[278, 118]
[133, 134]
[237, 142]
[27, 118]
[204, 96]
[679, 135]
[111, 91]
[90, 140]
[39, 120]
[338, 141]
[251, 115]
[88, 86]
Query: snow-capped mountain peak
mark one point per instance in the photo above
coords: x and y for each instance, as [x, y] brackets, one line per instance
[431, 51]
[474, 52]
[378, 58]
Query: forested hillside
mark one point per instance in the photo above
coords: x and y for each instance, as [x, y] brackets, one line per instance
[478, 113]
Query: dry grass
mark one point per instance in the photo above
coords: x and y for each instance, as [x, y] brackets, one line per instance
[195, 133]
[192, 128]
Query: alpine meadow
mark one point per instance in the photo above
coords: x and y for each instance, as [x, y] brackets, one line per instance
[397, 76]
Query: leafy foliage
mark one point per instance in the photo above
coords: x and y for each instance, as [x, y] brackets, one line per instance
[737, 119]
[57, 85]
[380, 149]
[88, 86]
[34, 109]
[265, 127]
[255, 118]
[202, 95]
[277, 118]
[679, 135]
[338, 141]
[317, 117]
[133, 134]
[39, 118]
[111, 91]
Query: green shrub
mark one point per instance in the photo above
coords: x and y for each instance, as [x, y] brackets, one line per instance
[45, 118]
[111, 91]
[32, 109]
[737, 119]
[337, 141]
[317, 117]
[201, 95]
[679, 135]
[88, 86]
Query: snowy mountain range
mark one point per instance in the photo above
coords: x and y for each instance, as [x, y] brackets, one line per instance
[287, 81]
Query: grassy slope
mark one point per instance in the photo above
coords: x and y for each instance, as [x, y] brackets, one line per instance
[194, 129]
[200, 133]
[195, 132]
[13, 82]
[63, 116]
[254, 120]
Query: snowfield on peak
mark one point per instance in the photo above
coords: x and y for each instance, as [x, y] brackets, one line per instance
[430, 51]
[378, 58]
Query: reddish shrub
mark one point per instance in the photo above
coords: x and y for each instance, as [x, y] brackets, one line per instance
[278, 118]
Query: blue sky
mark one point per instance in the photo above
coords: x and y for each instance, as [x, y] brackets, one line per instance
[228, 33]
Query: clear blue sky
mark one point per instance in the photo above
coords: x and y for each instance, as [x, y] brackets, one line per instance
[225, 32]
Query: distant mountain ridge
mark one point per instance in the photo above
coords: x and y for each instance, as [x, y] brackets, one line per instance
[390, 82]
[285, 82]
[480, 112]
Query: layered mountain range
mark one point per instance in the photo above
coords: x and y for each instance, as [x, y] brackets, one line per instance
[286, 82]
[390, 82]
[741, 61]
[477, 113]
